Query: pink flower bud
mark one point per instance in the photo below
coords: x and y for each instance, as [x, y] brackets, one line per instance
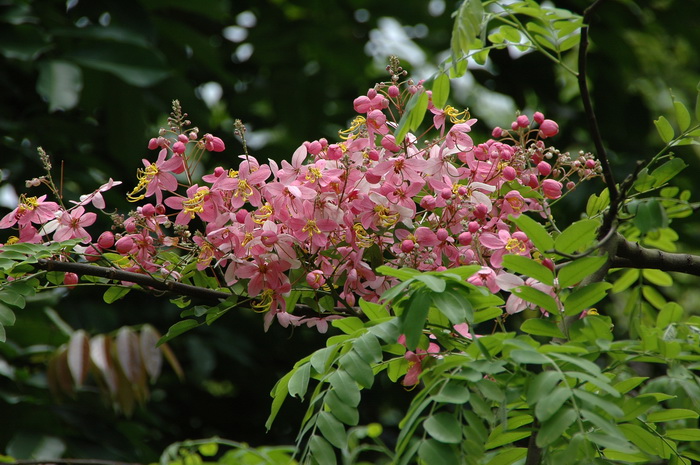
[241, 215]
[551, 188]
[218, 171]
[480, 211]
[442, 234]
[160, 209]
[124, 245]
[362, 104]
[394, 91]
[213, 143]
[268, 238]
[509, 173]
[389, 143]
[373, 155]
[497, 132]
[153, 144]
[371, 93]
[148, 210]
[315, 279]
[570, 185]
[532, 181]
[446, 193]
[324, 142]
[514, 126]
[70, 280]
[544, 168]
[407, 245]
[179, 148]
[523, 121]
[538, 117]
[548, 128]
[314, 148]
[428, 202]
[590, 164]
[183, 138]
[548, 263]
[473, 227]
[91, 253]
[106, 240]
[334, 152]
[465, 238]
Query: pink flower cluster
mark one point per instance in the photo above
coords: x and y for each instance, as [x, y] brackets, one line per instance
[323, 221]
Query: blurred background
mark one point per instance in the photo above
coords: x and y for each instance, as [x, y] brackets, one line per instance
[92, 81]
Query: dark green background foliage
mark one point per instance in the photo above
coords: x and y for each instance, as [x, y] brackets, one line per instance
[92, 81]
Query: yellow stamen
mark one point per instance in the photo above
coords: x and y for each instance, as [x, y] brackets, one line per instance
[515, 244]
[358, 122]
[12, 240]
[266, 299]
[387, 217]
[194, 205]
[456, 117]
[362, 239]
[311, 228]
[244, 190]
[313, 174]
[263, 214]
[145, 177]
[232, 173]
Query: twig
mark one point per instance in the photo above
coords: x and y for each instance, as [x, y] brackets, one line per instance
[602, 155]
[632, 255]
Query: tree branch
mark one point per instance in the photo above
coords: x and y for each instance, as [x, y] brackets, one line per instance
[534, 453]
[632, 255]
[137, 278]
[602, 155]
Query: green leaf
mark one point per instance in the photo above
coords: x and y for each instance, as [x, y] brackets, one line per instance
[345, 387]
[412, 320]
[299, 381]
[555, 427]
[507, 437]
[348, 325]
[3, 334]
[667, 171]
[433, 283]
[537, 297]
[682, 115]
[373, 310]
[177, 329]
[402, 273]
[441, 90]
[368, 348]
[208, 450]
[665, 129]
[529, 267]
[453, 392]
[650, 216]
[432, 451]
[658, 277]
[545, 410]
[454, 305]
[342, 411]
[508, 456]
[642, 438]
[444, 427]
[683, 434]
[488, 314]
[412, 116]
[529, 356]
[12, 298]
[7, 316]
[115, 293]
[332, 430]
[585, 297]
[541, 386]
[670, 313]
[577, 236]
[575, 271]
[596, 400]
[541, 327]
[534, 231]
[322, 451]
[628, 384]
[358, 369]
[626, 279]
[671, 414]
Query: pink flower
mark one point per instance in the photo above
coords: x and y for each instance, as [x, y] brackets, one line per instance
[71, 225]
[30, 210]
[515, 304]
[213, 143]
[415, 361]
[548, 128]
[505, 243]
[157, 177]
[551, 188]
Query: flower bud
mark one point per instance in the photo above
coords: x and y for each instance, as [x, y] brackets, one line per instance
[315, 279]
[523, 121]
[124, 245]
[442, 234]
[179, 148]
[465, 238]
[394, 91]
[509, 173]
[407, 245]
[91, 253]
[106, 240]
[473, 227]
[538, 117]
[268, 238]
[551, 188]
[497, 132]
[548, 128]
[544, 168]
[70, 280]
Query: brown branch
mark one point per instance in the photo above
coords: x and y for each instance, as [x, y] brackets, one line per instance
[602, 155]
[143, 280]
[534, 453]
[150, 283]
[632, 255]
[70, 462]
